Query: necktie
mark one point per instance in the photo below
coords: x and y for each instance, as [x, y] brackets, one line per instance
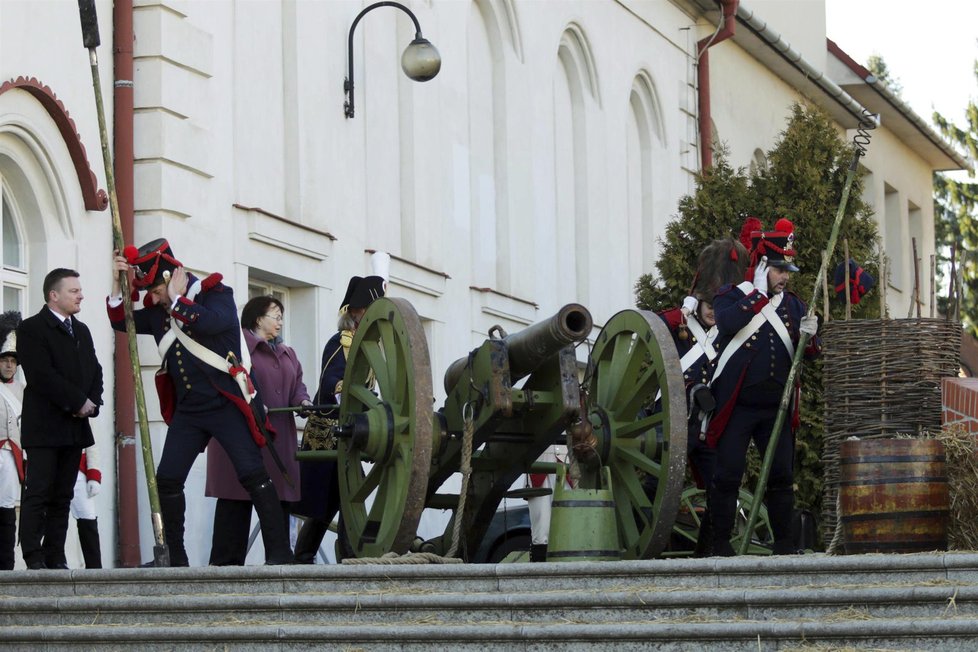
[67, 323]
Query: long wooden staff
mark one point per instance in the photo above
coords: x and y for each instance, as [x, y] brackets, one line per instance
[861, 141]
[90, 37]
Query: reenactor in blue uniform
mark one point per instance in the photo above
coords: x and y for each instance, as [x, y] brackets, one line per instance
[195, 324]
[694, 332]
[759, 326]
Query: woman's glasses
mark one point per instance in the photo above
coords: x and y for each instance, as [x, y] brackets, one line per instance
[275, 317]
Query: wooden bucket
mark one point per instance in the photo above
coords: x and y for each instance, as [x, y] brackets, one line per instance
[893, 495]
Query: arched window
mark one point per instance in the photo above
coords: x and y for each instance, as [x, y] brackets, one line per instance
[13, 267]
[485, 238]
[643, 143]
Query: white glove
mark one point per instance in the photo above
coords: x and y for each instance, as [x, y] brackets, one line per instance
[93, 488]
[809, 325]
[760, 275]
[689, 305]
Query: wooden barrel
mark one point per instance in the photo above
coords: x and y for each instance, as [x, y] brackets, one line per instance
[893, 495]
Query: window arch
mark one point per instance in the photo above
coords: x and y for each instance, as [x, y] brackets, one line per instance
[41, 187]
[575, 87]
[644, 139]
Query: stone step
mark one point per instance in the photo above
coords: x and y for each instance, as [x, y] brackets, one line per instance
[945, 634]
[596, 607]
[713, 573]
[896, 602]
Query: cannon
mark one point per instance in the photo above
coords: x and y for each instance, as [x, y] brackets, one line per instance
[395, 453]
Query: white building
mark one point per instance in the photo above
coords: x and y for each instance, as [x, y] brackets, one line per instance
[538, 168]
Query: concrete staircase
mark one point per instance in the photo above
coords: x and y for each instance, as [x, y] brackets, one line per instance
[812, 602]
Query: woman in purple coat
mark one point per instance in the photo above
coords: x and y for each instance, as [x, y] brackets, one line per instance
[278, 375]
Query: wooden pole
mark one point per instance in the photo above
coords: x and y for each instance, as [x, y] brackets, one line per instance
[845, 249]
[825, 293]
[883, 283]
[915, 295]
[90, 38]
[933, 285]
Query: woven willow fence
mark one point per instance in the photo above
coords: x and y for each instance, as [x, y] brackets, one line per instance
[881, 378]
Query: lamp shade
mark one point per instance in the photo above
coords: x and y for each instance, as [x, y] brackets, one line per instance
[421, 60]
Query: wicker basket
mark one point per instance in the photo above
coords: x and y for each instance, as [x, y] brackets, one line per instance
[881, 378]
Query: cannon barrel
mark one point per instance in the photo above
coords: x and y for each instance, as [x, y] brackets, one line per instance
[532, 346]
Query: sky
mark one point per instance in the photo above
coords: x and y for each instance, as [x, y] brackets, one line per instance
[930, 46]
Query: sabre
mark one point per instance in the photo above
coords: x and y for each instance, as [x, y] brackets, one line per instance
[91, 40]
[260, 422]
[861, 141]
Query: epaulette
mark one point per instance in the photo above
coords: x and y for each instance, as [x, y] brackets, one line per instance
[211, 282]
[672, 317]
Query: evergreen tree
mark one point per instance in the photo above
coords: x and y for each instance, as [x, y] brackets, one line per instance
[956, 213]
[803, 181]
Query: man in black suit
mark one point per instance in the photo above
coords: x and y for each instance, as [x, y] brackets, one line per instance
[64, 390]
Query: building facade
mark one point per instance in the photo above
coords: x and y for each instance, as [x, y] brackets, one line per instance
[538, 168]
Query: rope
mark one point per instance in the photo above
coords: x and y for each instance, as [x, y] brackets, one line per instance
[392, 558]
[837, 535]
[468, 434]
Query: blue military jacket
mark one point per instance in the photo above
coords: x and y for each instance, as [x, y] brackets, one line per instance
[210, 318]
[762, 357]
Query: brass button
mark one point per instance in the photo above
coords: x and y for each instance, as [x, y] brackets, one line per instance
[188, 385]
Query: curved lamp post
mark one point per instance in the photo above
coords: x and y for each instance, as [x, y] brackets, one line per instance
[420, 60]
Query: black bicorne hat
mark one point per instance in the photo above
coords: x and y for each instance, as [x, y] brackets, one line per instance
[151, 262]
[361, 292]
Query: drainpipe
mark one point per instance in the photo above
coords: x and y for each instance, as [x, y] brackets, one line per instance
[724, 31]
[125, 392]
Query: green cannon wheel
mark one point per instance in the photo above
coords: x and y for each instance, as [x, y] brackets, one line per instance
[691, 508]
[384, 448]
[634, 361]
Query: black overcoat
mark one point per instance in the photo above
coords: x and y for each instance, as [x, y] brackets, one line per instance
[61, 371]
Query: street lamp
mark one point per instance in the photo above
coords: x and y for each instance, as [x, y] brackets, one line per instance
[420, 60]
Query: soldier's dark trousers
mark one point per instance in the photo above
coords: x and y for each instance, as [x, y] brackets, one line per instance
[746, 423]
[8, 537]
[90, 544]
[186, 438]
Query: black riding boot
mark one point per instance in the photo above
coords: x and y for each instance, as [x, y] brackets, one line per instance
[780, 510]
[232, 524]
[309, 539]
[273, 531]
[704, 540]
[722, 507]
[173, 505]
[90, 545]
[8, 537]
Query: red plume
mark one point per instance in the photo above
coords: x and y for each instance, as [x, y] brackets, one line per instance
[784, 225]
[751, 224]
[131, 253]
